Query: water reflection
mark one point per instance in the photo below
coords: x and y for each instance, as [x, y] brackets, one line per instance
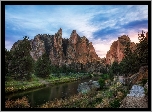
[40, 96]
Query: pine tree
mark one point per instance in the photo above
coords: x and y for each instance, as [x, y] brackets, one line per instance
[131, 62]
[115, 68]
[42, 68]
[127, 51]
[142, 49]
[8, 57]
[22, 64]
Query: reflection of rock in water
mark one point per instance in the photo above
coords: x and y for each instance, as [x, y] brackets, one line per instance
[87, 86]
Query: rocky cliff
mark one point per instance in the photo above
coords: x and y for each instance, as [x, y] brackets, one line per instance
[116, 52]
[76, 52]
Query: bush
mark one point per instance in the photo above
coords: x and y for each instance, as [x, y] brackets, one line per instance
[102, 83]
[144, 81]
[115, 103]
[19, 103]
[105, 76]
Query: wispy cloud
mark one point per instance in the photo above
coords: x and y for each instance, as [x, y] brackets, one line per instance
[101, 24]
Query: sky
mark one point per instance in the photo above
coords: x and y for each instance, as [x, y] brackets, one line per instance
[101, 24]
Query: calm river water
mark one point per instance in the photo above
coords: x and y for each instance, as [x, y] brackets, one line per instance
[40, 96]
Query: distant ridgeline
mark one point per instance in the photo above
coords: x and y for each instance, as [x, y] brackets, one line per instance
[76, 52]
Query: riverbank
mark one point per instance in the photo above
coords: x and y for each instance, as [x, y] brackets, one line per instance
[109, 97]
[13, 86]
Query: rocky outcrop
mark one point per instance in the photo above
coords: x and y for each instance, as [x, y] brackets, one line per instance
[137, 98]
[38, 48]
[76, 52]
[137, 77]
[79, 50]
[116, 52]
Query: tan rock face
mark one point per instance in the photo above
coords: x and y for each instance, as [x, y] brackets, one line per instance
[116, 52]
[38, 48]
[92, 54]
[56, 49]
[79, 50]
[75, 52]
[72, 47]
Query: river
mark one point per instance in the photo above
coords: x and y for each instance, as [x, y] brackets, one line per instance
[41, 96]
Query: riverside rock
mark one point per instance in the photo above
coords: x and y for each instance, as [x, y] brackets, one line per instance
[87, 86]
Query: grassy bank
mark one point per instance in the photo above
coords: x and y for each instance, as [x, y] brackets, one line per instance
[110, 97]
[36, 82]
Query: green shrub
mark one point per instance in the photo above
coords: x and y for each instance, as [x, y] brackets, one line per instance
[102, 83]
[105, 76]
[109, 94]
[115, 103]
[144, 81]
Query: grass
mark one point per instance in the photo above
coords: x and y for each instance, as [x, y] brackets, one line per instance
[36, 82]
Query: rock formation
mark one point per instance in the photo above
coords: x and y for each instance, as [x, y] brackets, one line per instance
[116, 52]
[76, 52]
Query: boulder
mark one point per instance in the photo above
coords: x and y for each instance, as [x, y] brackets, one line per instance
[95, 84]
[136, 91]
[87, 86]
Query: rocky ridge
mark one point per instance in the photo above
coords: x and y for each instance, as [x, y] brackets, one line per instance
[76, 52]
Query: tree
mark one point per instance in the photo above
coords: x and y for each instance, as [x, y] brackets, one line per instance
[127, 50]
[130, 63]
[115, 68]
[101, 83]
[8, 57]
[22, 64]
[142, 49]
[42, 68]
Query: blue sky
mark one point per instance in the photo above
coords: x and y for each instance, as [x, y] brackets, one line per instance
[101, 24]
